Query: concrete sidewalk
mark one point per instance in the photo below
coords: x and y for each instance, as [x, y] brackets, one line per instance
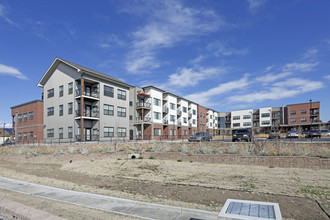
[106, 203]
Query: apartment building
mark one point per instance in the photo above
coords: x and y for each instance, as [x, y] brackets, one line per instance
[211, 121]
[27, 122]
[81, 104]
[302, 116]
[202, 119]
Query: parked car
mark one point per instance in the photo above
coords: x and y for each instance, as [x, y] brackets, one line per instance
[242, 134]
[274, 134]
[200, 136]
[7, 144]
[314, 133]
[292, 134]
[325, 132]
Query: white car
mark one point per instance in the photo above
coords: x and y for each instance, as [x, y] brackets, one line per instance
[325, 132]
[292, 134]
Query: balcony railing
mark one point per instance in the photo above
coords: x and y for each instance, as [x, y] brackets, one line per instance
[145, 119]
[179, 113]
[165, 109]
[91, 114]
[143, 105]
[89, 94]
[189, 115]
[87, 138]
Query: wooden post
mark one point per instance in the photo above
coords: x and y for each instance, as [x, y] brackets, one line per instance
[82, 109]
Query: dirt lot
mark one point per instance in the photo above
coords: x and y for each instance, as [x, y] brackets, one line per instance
[301, 193]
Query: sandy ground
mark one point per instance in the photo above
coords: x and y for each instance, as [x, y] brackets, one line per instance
[187, 184]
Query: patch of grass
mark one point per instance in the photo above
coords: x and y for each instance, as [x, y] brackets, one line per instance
[118, 158]
[312, 190]
[179, 160]
[151, 158]
[140, 157]
[271, 166]
[247, 186]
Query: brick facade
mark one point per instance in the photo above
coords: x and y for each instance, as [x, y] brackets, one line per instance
[302, 113]
[201, 119]
[29, 122]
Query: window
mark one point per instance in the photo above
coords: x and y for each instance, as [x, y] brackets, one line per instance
[70, 86]
[31, 115]
[194, 112]
[172, 118]
[210, 116]
[50, 111]
[172, 106]
[121, 132]
[31, 134]
[303, 120]
[157, 115]
[210, 124]
[25, 135]
[184, 109]
[25, 116]
[121, 112]
[236, 117]
[203, 115]
[246, 123]
[60, 133]
[185, 120]
[70, 108]
[50, 93]
[70, 132]
[265, 122]
[185, 132]
[95, 132]
[172, 132]
[200, 114]
[20, 118]
[246, 116]
[265, 115]
[108, 91]
[61, 110]
[293, 120]
[121, 94]
[292, 112]
[108, 131]
[19, 136]
[108, 109]
[157, 131]
[236, 124]
[157, 102]
[131, 117]
[61, 90]
[130, 103]
[50, 132]
[194, 121]
[303, 112]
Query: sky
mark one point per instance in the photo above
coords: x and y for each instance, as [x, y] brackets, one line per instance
[223, 54]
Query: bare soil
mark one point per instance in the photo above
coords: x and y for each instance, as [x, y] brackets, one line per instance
[301, 193]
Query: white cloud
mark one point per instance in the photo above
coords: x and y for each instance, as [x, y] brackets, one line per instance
[272, 77]
[168, 24]
[8, 125]
[197, 60]
[286, 89]
[304, 67]
[311, 53]
[219, 49]
[254, 5]
[204, 98]
[190, 77]
[327, 77]
[110, 41]
[11, 71]
[3, 14]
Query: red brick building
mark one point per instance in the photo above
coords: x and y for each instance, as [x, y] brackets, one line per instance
[29, 122]
[201, 119]
[303, 115]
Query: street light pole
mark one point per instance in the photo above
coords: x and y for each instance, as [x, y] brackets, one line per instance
[310, 117]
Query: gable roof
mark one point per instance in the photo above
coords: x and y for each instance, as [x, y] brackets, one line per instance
[80, 69]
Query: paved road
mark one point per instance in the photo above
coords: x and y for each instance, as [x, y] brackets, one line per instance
[326, 140]
[107, 203]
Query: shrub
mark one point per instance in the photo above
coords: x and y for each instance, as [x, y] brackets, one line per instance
[185, 149]
[84, 150]
[233, 149]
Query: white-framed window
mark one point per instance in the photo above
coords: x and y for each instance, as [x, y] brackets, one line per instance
[61, 90]
[246, 123]
[121, 112]
[172, 117]
[172, 106]
[108, 132]
[246, 116]
[108, 91]
[50, 111]
[70, 132]
[121, 94]
[157, 102]
[184, 109]
[70, 88]
[236, 124]
[157, 115]
[157, 131]
[50, 93]
[50, 132]
[237, 117]
[61, 110]
[108, 109]
[60, 133]
[121, 132]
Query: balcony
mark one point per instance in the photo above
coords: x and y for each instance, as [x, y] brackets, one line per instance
[179, 112]
[189, 115]
[165, 109]
[179, 123]
[93, 95]
[93, 115]
[144, 105]
[144, 120]
[165, 121]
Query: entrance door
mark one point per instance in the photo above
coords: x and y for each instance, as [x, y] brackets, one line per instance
[88, 110]
[88, 134]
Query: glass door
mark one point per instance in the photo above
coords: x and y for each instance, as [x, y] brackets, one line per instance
[88, 111]
[88, 134]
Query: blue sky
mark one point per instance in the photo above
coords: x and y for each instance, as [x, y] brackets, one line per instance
[226, 55]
